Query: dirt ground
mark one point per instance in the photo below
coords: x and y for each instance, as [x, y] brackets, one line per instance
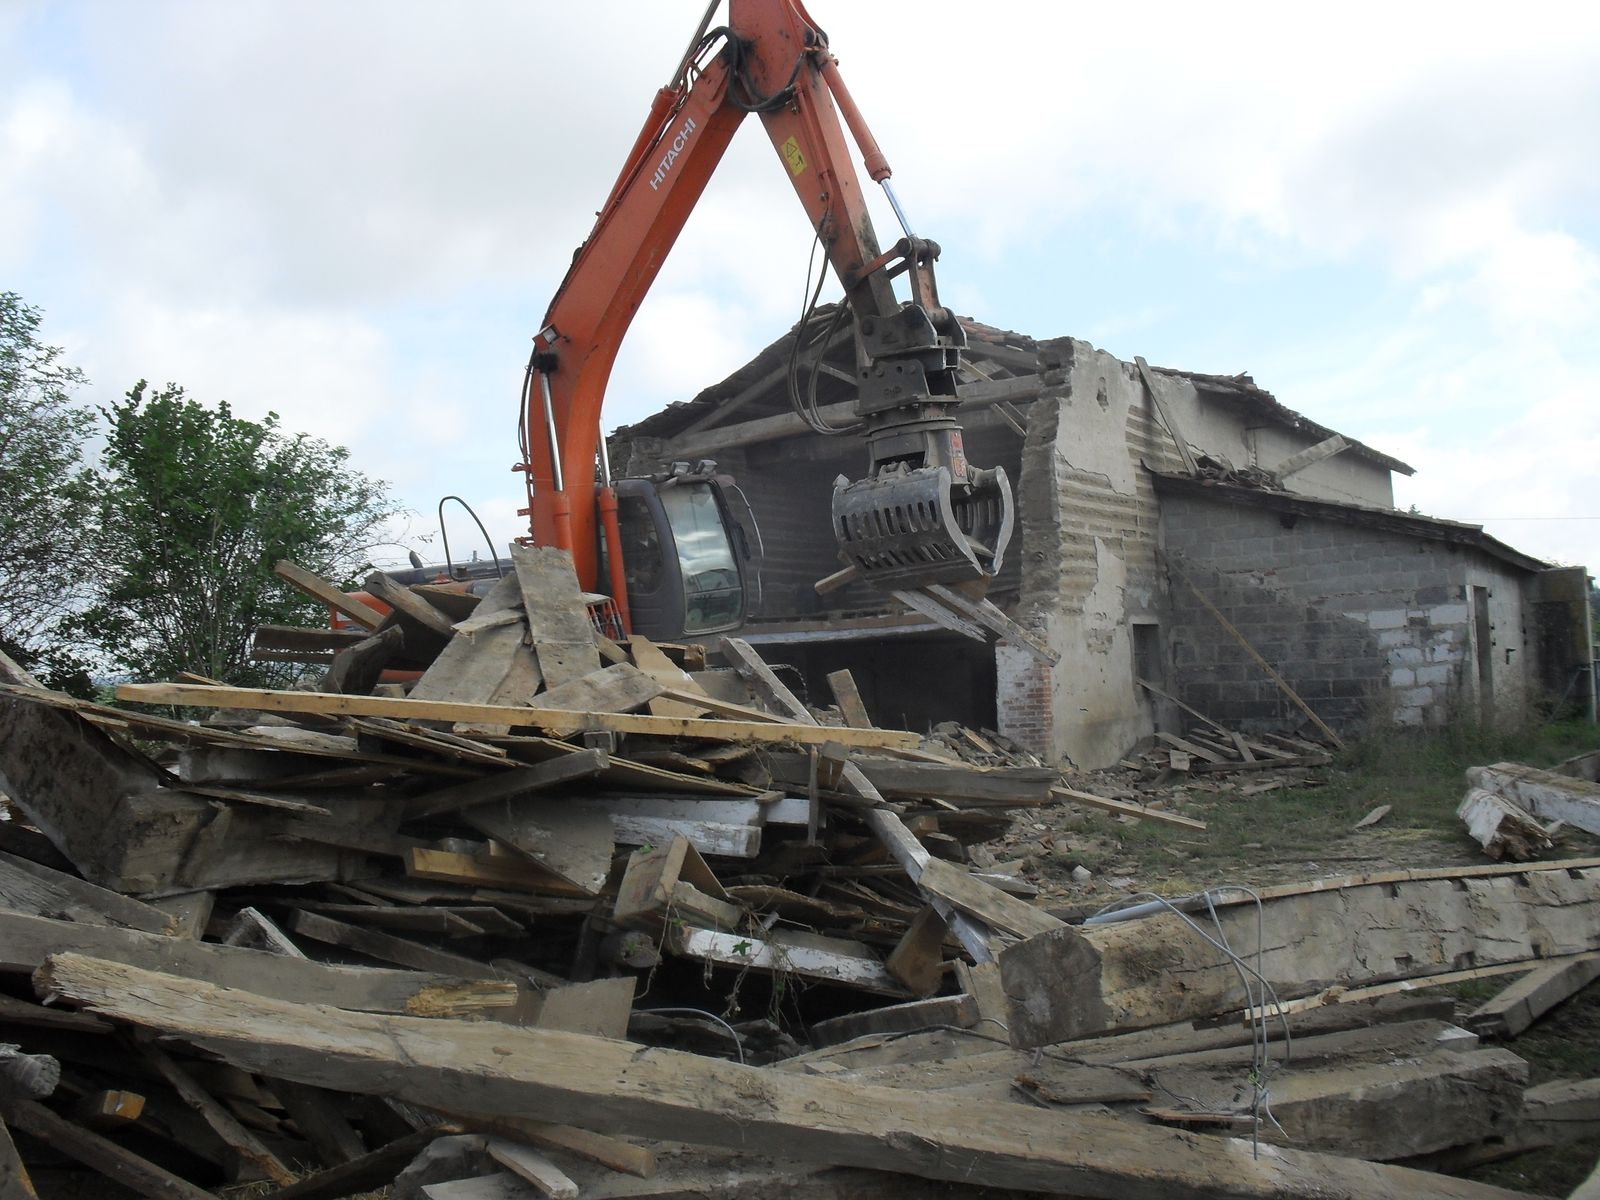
[1307, 830]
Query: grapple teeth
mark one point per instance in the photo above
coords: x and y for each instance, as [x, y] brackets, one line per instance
[914, 528]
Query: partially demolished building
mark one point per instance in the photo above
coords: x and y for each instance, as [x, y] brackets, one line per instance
[1172, 527]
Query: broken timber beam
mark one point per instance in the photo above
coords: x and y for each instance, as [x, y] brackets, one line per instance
[1157, 970]
[1167, 419]
[26, 941]
[320, 590]
[554, 720]
[611, 1085]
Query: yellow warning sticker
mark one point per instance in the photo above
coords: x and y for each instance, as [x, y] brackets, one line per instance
[791, 155]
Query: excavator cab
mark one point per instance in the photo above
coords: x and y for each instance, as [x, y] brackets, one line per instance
[689, 562]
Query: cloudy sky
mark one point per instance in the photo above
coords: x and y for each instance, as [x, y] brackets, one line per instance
[355, 213]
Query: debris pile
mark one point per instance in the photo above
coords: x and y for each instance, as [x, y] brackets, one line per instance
[500, 928]
[1514, 811]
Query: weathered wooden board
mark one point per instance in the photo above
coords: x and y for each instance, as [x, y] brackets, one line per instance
[618, 688]
[1515, 1008]
[1504, 830]
[555, 720]
[789, 952]
[558, 617]
[472, 667]
[848, 697]
[27, 887]
[1546, 794]
[26, 941]
[653, 661]
[1157, 970]
[609, 1085]
[116, 1163]
[1124, 808]
[511, 785]
[320, 590]
[569, 839]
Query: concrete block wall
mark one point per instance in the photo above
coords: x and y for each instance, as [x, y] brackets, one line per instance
[1352, 617]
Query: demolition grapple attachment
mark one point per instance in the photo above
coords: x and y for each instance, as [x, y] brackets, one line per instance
[907, 528]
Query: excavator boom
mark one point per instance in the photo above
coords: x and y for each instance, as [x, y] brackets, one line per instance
[922, 516]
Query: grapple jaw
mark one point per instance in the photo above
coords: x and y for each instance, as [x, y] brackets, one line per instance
[909, 528]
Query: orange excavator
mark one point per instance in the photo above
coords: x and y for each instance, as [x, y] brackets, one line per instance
[924, 523]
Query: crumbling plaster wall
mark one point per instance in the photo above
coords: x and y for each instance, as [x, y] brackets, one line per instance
[1089, 527]
[1352, 617]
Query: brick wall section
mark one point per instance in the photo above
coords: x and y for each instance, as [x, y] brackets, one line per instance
[1347, 615]
[1023, 706]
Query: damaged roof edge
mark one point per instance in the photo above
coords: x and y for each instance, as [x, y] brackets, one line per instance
[1007, 348]
[1243, 391]
[1388, 519]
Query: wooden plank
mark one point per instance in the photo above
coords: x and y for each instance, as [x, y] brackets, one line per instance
[508, 786]
[511, 871]
[649, 890]
[554, 720]
[938, 1012]
[410, 605]
[28, 887]
[918, 958]
[241, 1143]
[1193, 748]
[571, 841]
[596, 1147]
[26, 941]
[960, 784]
[1517, 1007]
[1168, 421]
[98, 1153]
[358, 668]
[108, 1109]
[320, 590]
[849, 699]
[14, 1178]
[621, 687]
[990, 905]
[1125, 808]
[741, 656]
[376, 1169]
[683, 1097]
[534, 1168]
[472, 667]
[374, 943]
[788, 952]
[318, 1119]
[1244, 643]
[449, 920]
[653, 661]
[558, 617]
[295, 638]
[1295, 463]
[986, 613]
[598, 1008]
[719, 838]
[1343, 938]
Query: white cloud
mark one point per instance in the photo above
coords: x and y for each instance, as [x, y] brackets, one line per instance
[356, 213]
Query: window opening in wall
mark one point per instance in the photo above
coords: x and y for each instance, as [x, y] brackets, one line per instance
[1482, 638]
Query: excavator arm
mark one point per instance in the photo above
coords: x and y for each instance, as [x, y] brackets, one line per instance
[923, 515]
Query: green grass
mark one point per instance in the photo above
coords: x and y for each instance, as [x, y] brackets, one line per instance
[1309, 829]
